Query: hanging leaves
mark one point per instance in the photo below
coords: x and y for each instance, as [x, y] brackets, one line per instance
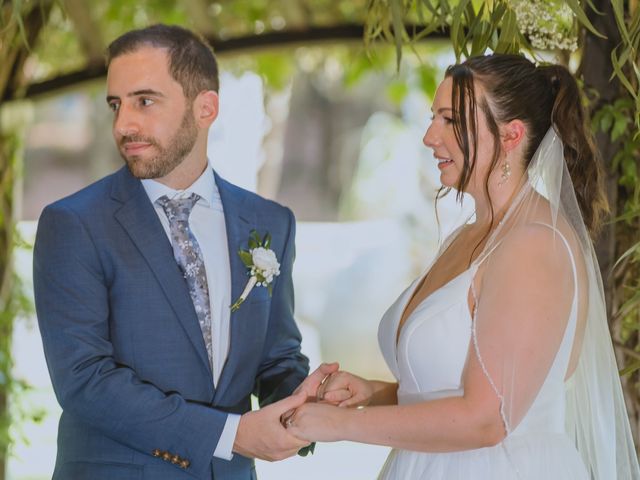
[507, 26]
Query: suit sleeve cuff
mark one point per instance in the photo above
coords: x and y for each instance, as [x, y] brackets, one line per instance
[224, 449]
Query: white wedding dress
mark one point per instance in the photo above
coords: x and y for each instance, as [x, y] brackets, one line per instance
[556, 429]
[428, 363]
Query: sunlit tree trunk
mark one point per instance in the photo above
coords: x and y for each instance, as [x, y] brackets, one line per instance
[596, 70]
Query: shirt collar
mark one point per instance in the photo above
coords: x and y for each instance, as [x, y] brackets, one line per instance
[205, 187]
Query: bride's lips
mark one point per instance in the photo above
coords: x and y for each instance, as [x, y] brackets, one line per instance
[443, 162]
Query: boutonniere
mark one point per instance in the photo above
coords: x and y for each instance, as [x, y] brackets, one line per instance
[262, 265]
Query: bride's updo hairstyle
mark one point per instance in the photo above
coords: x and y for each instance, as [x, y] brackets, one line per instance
[538, 96]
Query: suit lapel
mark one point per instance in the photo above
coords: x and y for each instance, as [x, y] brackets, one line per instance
[138, 217]
[240, 219]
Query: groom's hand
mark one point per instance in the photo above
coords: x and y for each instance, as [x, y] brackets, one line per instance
[312, 383]
[310, 387]
[261, 435]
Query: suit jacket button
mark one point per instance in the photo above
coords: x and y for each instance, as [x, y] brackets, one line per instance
[166, 456]
[185, 464]
[157, 453]
[175, 459]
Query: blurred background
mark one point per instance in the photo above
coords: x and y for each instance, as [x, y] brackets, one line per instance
[347, 157]
[326, 129]
[324, 104]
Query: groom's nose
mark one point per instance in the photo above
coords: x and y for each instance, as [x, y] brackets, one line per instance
[126, 123]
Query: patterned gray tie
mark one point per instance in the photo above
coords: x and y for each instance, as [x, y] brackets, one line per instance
[189, 258]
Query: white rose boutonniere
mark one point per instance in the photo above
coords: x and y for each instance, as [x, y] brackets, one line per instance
[262, 265]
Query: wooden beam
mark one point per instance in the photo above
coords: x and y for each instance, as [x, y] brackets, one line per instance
[276, 39]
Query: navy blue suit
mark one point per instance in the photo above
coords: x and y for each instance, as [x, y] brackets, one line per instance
[123, 345]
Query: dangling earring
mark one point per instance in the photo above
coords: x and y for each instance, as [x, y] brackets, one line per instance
[506, 173]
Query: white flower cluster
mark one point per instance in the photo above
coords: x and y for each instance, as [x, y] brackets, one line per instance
[265, 264]
[549, 24]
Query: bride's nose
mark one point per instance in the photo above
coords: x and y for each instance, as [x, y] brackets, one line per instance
[431, 139]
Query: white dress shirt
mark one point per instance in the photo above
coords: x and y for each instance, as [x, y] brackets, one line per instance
[207, 224]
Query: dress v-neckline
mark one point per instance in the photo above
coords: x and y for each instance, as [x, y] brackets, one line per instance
[399, 329]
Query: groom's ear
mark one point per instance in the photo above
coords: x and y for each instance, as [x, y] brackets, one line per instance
[512, 134]
[205, 108]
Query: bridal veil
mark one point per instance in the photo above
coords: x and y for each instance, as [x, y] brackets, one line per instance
[542, 250]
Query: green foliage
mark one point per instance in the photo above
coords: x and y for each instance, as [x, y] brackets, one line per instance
[356, 69]
[397, 90]
[613, 119]
[616, 121]
[507, 26]
[14, 300]
[13, 29]
[14, 389]
[473, 27]
[428, 78]
[276, 68]
[59, 49]
[58, 53]
[15, 18]
[626, 54]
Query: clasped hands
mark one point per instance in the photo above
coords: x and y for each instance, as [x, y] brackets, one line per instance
[311, 413]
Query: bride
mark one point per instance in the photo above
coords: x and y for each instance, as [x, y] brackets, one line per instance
[501, 351]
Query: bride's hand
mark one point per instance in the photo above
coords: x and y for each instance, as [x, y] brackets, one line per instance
[314, 381]
[317, 422]
[345, 389]
[311, 384]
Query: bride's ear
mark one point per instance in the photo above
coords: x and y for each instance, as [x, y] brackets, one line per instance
[512, 135]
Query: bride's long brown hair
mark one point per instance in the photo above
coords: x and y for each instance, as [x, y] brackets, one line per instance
[539, 97]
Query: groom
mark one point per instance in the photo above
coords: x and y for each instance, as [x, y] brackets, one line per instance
[134, 276]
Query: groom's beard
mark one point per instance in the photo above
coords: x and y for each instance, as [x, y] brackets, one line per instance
[167, 158]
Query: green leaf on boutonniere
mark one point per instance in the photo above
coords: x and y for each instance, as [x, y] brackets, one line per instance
[245, 257]
[267, 241]
[270, 289]
[304, 451]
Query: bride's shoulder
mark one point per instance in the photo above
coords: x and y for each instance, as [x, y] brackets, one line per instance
[532, 246]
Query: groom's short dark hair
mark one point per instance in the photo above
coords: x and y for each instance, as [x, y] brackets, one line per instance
[191, 60]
